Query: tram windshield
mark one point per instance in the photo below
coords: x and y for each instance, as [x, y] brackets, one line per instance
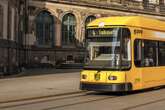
[108, 48]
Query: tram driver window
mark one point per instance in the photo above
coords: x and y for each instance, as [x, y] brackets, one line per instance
[126, 48]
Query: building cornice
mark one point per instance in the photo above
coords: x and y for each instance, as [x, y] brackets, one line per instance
[108, 7]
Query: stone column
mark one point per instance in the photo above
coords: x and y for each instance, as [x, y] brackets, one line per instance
[1, 21]
[58, 27]
[5, 20]
[12, 23]
[79, 23]
[58, 33]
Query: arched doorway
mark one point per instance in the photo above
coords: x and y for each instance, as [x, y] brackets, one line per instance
[45, 29]
[68, 29]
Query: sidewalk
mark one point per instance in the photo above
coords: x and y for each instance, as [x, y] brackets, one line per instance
[38, 86]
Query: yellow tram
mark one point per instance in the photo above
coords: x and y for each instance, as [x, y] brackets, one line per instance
[124, 54]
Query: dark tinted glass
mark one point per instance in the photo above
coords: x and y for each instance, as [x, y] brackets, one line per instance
[161, 54]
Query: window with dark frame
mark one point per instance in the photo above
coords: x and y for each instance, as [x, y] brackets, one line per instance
[45, 29]
[137, 52]
[126, 48]
[68, 29]
[148, 53]
[161, 54]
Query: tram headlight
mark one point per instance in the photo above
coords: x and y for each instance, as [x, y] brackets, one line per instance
[84, 76]
[112, 77]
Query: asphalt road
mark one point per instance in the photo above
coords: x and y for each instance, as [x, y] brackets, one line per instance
[146, 100]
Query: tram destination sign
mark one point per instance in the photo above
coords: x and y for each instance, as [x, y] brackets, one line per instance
[109, 32]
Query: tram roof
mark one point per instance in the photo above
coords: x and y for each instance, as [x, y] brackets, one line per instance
[135, 21]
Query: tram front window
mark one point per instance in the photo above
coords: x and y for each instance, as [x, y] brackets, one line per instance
[110, 50]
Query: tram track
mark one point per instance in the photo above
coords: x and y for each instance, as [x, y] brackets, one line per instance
[144, 104]
[84, 95]
[106, 98]
[28, 101]
[71, 100]
[40, 97]
[83, 102]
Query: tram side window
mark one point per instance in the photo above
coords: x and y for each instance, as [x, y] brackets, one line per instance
[149, 53]
[145, 53]
[161, 53]
[138, 53]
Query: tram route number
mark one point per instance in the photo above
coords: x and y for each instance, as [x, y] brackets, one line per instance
[136, 31]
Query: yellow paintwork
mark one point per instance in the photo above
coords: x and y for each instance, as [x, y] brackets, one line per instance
[133, 21]
[103, 76]
[140, 78]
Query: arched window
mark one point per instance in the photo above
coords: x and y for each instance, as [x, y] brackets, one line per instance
[68, 29]
[89, 19]
[1, 22]
[45, 29]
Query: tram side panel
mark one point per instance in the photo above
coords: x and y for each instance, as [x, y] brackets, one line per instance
[134, 75]
[149, 74]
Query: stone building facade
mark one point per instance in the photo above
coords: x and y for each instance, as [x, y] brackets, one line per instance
[54, 31]
[10, 34]
[57, 27]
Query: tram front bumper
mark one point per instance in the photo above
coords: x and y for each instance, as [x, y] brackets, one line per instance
[106, 87]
